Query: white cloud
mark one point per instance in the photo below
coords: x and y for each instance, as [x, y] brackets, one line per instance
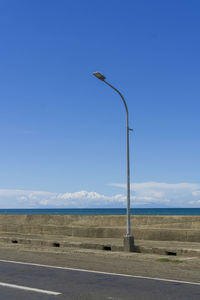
[144, 194]
[164, 194]
[196, 193]
[33, 199]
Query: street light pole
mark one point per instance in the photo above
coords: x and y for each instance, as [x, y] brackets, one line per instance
[128, 238]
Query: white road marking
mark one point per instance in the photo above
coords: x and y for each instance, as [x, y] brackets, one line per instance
[21, 287]
[98, 272]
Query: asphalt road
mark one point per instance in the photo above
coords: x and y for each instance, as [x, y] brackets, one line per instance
[84, 285]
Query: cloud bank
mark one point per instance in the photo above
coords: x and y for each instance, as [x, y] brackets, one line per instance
[163, 194]
[38, 199]
[144, 194]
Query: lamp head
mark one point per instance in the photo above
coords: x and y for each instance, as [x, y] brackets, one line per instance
[99, 76]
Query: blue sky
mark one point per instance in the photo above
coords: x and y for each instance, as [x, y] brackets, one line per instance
[63, 132]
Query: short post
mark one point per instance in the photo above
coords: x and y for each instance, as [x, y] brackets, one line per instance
[129, 243]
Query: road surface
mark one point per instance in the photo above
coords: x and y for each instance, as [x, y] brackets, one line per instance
[19, 280]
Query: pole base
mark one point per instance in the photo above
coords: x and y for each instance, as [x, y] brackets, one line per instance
[129, 243]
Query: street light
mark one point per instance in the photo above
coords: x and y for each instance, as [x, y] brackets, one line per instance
[128, 238]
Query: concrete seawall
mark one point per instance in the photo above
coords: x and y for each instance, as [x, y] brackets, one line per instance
[160, 228]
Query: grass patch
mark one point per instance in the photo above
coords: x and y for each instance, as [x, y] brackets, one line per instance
[176, 261]
[163, 259]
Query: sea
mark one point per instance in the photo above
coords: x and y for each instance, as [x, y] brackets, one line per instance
[105, 211]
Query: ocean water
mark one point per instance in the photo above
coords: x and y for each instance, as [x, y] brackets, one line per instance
[105, 211]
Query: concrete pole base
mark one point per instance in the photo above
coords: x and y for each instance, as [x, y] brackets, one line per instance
[129, 243]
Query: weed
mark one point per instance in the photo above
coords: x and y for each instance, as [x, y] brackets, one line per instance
[169, 260]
